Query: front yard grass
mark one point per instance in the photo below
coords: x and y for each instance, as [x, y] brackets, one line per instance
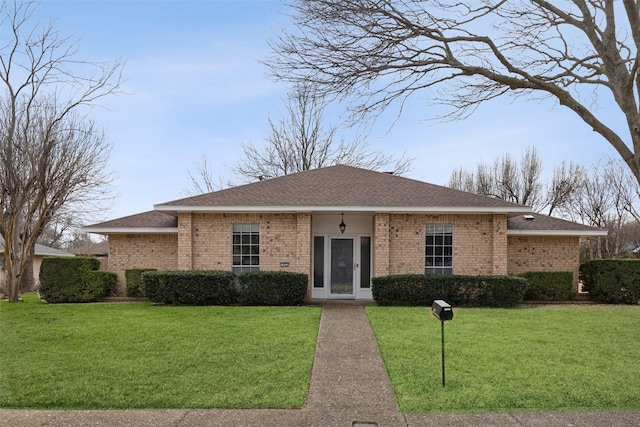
[528, 359]
[121, 356]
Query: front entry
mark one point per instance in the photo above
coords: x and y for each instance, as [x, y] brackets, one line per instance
[342, 268]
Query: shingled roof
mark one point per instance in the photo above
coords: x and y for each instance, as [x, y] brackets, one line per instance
[344, 188]
[544, 225]
[145, 222]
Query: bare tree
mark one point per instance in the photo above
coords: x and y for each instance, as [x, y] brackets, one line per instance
[522, 183]
[51, 154]
[506, 179]
[201, 180]
[608, 199]
[377, 52]
[302, 140]
[565, 187]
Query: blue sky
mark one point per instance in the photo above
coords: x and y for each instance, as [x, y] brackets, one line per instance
[194, 85]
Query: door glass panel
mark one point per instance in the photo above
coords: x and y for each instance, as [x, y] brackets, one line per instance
[318, 262]
[342, 266]
[365, 262]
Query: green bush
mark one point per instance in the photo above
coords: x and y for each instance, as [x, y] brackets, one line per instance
[73, 279]
[103, 279]
[474, 291]
[612, 281]
[549, 285]
[134, 282]
[272, 288]
[189, 287]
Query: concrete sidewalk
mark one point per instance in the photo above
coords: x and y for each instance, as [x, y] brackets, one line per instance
[349, 388]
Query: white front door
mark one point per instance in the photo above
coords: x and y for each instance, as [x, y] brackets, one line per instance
[342, 268]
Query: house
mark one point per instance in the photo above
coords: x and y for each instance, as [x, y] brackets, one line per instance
[342, 226]
[88, 248]
[40, 252]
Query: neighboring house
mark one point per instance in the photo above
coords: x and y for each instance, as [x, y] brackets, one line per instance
[342, 226]
[41, 251]
[99, 250]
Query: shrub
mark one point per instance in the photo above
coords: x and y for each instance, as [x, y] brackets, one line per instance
[612, 281]
[106, 280]
[73, 279]
[549, 285]
[134, 282]
[189, 287]
[272, 288]
[420, 289]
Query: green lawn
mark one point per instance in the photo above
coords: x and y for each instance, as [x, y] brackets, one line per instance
[542, 358]
[107, 356]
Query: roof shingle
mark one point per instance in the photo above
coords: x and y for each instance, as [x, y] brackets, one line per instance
[340, 186]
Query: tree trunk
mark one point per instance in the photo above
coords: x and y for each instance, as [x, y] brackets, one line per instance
[27, 281]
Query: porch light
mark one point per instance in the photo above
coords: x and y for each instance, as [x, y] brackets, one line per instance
[342, 225]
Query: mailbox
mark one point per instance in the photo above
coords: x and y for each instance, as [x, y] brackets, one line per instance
[442, 310]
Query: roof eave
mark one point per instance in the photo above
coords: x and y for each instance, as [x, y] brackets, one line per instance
[385, 209]
[571, 233]
[130, 230]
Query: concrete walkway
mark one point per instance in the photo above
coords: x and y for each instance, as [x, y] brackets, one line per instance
[349, 388]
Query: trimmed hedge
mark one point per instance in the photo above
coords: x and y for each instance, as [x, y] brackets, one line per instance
[134, 282]
[74, 279]
[189, 287]
[473, 291]
[549, 285]
[272, 288]
[612, 281]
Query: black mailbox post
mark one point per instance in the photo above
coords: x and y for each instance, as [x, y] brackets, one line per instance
[443, 311]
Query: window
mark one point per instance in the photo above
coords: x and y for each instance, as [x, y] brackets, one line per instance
[438, 249]
[246, 248]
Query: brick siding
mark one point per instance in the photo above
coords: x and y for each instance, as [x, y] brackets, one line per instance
[479, 243]
[279, 240]
[544, 253]
[127, 251]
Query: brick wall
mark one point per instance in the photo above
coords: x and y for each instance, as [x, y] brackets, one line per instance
[544, 253]
[381, 235]
[479, 243]
[284, 237]
[127, 251]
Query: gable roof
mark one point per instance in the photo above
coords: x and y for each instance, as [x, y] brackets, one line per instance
[544, 225]
[344, 188]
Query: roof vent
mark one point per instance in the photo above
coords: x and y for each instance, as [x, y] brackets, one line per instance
[529, 217]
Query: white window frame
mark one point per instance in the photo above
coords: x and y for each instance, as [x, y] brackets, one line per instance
[438, 255]
[242, 250]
